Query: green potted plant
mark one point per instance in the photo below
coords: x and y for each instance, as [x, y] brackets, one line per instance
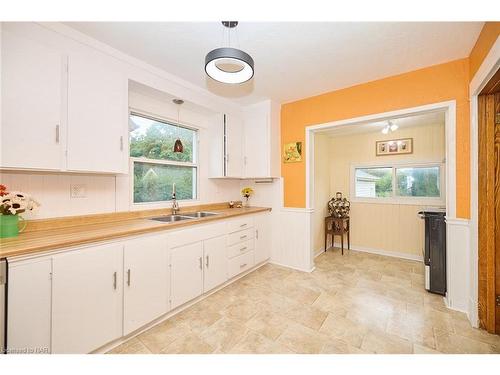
[12, 204]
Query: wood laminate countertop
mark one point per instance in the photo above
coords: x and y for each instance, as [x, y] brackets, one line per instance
[59, 237]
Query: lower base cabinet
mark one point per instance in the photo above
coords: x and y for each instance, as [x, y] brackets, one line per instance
[263, 239]
[146, 284]
[29, 315]
[87, 305]
[78, 300]
[186, 264]
[215, 267]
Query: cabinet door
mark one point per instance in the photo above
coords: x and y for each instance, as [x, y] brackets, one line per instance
[256, 142]
[32, 90]
[215, 272]
[234, 146]
[87, 298]
[97, 114]
[186, 273]
[29, 308]
[263, 240]
[146, 281]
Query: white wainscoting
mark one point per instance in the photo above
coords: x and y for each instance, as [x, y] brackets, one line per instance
[457, 265]
[294, 248]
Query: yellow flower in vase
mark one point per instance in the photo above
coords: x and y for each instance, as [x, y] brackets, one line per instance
[246, 193]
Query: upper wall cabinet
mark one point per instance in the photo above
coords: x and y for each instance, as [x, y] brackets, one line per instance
[62, 109]
[261, 140]
[97, 114]
[33, 81]
[247, 145]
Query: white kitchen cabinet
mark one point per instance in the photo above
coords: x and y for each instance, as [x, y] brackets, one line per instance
[261, 140]
[87, 294]
[233, 146]
[146, 289]
[29, 307]
[215, 267]
[33, 81]
[263, 240]
[186, 273]
[97, 113]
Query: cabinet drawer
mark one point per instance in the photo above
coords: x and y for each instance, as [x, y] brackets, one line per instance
[240, 248]
[240, 264]
[241, 236]
[239, 224]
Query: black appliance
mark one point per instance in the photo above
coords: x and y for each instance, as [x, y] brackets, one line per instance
[435, 250]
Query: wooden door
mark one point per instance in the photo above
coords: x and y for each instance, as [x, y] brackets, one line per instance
[186, 273]
[87, 298]
[33, 87]
[146, 289]
[215, 272]
[489, 208]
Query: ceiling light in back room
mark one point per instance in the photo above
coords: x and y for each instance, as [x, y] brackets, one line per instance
[228, 64]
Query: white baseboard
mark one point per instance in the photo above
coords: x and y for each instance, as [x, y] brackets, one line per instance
[293, 268]
[472, 314]
[394, 254]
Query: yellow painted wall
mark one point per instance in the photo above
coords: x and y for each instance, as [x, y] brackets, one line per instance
[488, 36]
[387, 227]
[425, 86]
[448, 81]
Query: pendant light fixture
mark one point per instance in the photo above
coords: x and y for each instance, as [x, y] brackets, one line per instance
[178, 146]
[227, 64]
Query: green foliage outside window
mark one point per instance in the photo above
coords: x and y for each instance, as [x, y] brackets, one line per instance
[154, 140]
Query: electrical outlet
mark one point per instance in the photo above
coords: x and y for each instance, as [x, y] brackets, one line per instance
[78, 191]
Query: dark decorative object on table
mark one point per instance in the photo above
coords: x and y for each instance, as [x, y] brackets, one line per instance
[339, 206]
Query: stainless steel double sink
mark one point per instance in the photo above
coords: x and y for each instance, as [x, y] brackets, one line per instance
[186, 216]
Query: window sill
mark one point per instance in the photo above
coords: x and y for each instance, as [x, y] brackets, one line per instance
[165, 204]
[399, 201]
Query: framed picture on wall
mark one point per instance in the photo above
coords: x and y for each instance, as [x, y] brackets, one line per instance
[394, 147]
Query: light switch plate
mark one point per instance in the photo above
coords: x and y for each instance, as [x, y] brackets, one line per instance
[78, 191]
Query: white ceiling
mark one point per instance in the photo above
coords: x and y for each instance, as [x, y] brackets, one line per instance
[293, 60]
[429, 118]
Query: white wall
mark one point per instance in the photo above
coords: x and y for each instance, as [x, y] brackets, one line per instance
[322, 192]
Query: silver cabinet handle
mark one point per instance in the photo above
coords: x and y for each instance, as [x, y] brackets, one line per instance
[57, 133]
[201, 263]
[243, 265]
[242, 237]
[114, 280]
[207, 261]
[128, 277]
[257, 233]
[121, 143]
[243, 248]
[243, 225]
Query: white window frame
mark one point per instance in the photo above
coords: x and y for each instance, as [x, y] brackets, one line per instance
[193, 164]
[396, 199]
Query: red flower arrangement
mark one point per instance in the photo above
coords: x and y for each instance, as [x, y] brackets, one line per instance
[3, 190]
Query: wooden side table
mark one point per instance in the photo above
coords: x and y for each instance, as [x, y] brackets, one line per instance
[337, 226]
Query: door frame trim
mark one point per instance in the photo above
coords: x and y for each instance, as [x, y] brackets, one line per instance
[485, 72]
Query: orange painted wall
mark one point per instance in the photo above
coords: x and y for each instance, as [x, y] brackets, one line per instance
[433, 84]
[487, 37]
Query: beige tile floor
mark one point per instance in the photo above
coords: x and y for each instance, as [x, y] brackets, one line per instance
[356, 303]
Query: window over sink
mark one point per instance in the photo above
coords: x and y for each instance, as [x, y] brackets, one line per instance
[155, 165]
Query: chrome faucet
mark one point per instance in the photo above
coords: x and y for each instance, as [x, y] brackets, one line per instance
[175, 205]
